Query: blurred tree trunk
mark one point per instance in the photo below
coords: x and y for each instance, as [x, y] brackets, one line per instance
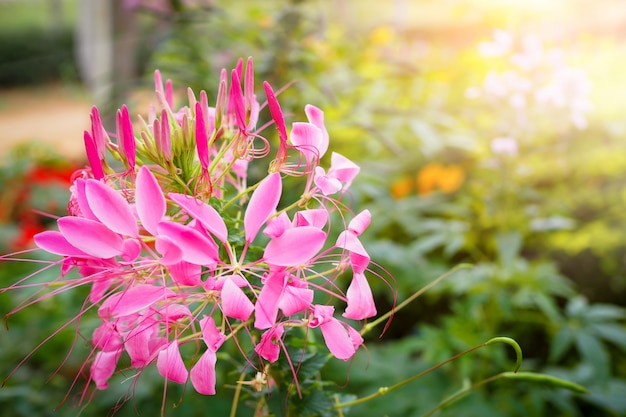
[106, 47]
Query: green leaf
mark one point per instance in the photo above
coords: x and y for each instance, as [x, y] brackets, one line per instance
[604, 312]
[508, 246]
[562, 341]
[611, 332]
[594, 352]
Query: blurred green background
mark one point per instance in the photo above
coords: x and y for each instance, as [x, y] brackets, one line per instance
[489, 132]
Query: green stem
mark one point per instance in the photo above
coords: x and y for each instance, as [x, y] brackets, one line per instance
[384, 390]
[525, 376]
[368, 327]
[461, 393]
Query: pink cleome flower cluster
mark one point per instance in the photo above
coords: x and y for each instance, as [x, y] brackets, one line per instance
[179, 248]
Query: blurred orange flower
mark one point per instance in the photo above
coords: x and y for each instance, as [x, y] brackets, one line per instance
[402, 187]
[435, 176]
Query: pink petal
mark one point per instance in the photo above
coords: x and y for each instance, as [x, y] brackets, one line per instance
[173, 312]
[111, 208]
[202, 212]
[358, 262]
[171, 253]
[266, 307]
[211, 334]
[316, 116]
[54, 242]
[106, 338]
[196, 248]
[169, 93]
[277, 225]
[355, 338]
[83, 203]
[138, 343]
[348, 241]
[133, 300]
[235, 303]
[308, 139]
[360, 222]
[91, 237]
[343, 169]
[312, 217]
[98, 133]
[337, 339]
[295, 299]
[269, 347]
[170, 364]
[126, 137]
[295, 246]
[185, 273]
[103, 367]
[326, 184]
[360, 299]
[131, 249]
[165, 136]
[149, 200]
[262, 204]
[203, 374]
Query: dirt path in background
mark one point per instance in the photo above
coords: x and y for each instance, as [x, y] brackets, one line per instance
[53, 114]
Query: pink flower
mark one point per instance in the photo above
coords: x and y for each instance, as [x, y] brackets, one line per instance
[341, 339]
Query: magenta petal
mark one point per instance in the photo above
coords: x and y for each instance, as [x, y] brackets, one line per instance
[202, 138]
[196, 248]
[203, 374]
[295, 246]
[236, 100]
[269, 346]
[172, 254]
[133, 300]
[91, 237]
[103, 367]
[111, 208]
[54, 242]
[92, 156]
[360, 299]
[235, 303]
[266, 307]
[170, 364]
[211, 334]
[204, 213]
[308, 139]
[128, 137]
[276, 112]
[149, 200]
[262, 204]
[337, 339]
